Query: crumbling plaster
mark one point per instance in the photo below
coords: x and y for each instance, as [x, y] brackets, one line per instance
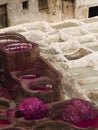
[82, 8]
[58, 10]
[16, 14]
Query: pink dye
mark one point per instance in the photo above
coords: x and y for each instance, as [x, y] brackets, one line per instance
[28, 76]
[81, 113]
[33, 108]
[86, 124]
[18, 46]
[4, 122]
[43, 89]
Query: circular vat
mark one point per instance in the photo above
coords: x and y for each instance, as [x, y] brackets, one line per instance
[12, 128]
[18, 46]
[42, 84]
[28, 76]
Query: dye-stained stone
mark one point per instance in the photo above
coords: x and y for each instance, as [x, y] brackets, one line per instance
[57, 40]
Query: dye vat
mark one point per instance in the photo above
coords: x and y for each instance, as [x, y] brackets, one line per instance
[4, 123]
[39, 81]
[3, 107]
[28, 76]
[16, 56]
[12, 128]
[87, 79]
[40, 68]
[4, 92]
[91, 27]
[18, 47]
[46, 87]
[57, 125]
[54, 117]
[6, 104]
[41, 84]
[42, 88]
[11, 37]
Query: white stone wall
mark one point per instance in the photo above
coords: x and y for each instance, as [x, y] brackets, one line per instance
[56, 12]
[82, 8]
[16, 14]
[86, 2]
[68, 10]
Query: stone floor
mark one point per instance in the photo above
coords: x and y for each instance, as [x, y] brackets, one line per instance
[71, 46]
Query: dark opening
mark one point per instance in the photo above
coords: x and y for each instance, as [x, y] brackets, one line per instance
[42, 4]
[3, 16]
[69, 1]
[93, 11]
[25, 4]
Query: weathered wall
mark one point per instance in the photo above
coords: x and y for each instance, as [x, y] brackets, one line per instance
[2, 2]
[68, 10]
[81, 12]
[86, 2]
[56, 11]
[16, 14]
[82, 8]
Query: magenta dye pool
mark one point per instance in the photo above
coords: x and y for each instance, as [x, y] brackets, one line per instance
[29, 76]
[18, 46]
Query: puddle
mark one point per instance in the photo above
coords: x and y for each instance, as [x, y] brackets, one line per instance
[81, 72]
